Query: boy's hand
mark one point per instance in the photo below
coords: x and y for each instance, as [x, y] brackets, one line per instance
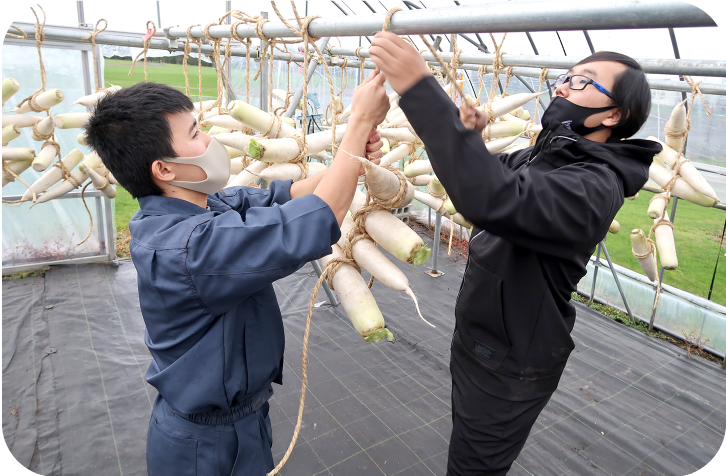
[370, 101]
[473, 118]
[373, 149]
[401, 63]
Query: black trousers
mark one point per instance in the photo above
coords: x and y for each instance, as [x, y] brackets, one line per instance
[488, 432]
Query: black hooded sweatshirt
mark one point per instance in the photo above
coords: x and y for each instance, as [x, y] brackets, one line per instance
[538, 215]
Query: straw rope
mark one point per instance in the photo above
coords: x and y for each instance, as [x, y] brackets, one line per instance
[22, 34]
[147, 43]
[92, 36]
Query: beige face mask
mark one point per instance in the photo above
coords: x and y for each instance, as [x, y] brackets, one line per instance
[215, 163]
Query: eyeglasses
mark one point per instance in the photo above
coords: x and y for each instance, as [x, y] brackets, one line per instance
[578, 83]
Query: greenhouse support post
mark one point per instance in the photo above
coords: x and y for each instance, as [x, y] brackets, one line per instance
[312, 66]
[264, 74]
[596, 264]
[617, 280]
[434, 272]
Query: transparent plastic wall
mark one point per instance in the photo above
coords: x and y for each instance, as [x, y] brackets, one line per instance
[48, 231]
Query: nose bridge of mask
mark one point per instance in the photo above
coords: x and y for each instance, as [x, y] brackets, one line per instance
[214, 162]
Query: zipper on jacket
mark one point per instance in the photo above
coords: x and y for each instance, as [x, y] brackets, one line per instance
[463, 281]
[549, 144]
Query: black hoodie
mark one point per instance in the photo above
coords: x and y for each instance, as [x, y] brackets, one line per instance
[538, 215]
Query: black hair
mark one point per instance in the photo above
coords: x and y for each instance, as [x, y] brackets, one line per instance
[631, 92]
[129, 130]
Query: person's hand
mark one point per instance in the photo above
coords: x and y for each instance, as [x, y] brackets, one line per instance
[472, 118]
[373, 149]
[399, 60]
[370, 101]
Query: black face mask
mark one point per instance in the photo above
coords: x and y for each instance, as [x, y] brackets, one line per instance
[571, 116]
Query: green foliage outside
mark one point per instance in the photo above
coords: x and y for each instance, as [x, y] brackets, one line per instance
[697, 229]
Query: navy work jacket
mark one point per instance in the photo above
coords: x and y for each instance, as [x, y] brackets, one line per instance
[205, 276]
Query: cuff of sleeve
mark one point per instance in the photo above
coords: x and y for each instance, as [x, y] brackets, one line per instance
[280, 190]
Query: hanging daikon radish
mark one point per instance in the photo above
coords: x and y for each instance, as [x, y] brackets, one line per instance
[17, 166]
[10, 132]
[81, 138]
[393, 113]
[386, 147]
[460, 220]
[285, 171]
[384, 184]
[260, 120]
[248, 175]
[234, 153]
[614, 227]
[91, 161]
[397, 121]
[503, 129]
[225, 121]
[640, 247]
[398, 153]
[10, 87]
[234, 140]
[112, 179]
[449, 206]
[235, 166]
[676, 126]
[284, 150]
[658, 162]
[98, 181]
[54, 174]
[357, 300]
[398, 134]
[429, 200]
[519, 112]
[656, 207]
[72, 120]
[497, 145]
[509, 103]
[18, 153]
[666, 244]
[92, 99]
[277, 107]
[392, 234]
[205, 105]
[44, 158]
[214, 112]
[681, 188]
[515, 147]
[688, 171]
[44, 128]
[634, 197]
[289, 121]
[436, 187]
[419, 167]
[44, 101]
[214, 130]
[280, 94]
[20, 121]
[370, 258]
[421, 180]
[511, 118]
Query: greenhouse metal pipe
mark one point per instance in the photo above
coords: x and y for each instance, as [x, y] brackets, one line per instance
[312, 66]
[498, 17]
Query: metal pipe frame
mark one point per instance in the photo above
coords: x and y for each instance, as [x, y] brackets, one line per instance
[497, 17]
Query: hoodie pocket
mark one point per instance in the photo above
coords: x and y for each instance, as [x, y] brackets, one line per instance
[479, 316]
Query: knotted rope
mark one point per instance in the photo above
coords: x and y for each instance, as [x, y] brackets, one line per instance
[542, 79]
[92, 36]
[147, 43]
[22, 34]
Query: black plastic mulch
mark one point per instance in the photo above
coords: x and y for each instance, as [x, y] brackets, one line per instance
[75, 400]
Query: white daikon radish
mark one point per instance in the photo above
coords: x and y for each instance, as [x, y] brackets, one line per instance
[284, 150]
[44, 101]
[44, 158]
[209, 114]
[54, 174]
[205, 105]
[18, 153]
[666, 244]
[384, 184]
[225, 121]
[234, 153]
[17, 166]
[289, 121]
[681, 188]
[509, 103]
[92, 99]
[614, 227]
[393, 113]
[516, 147]
[460, 220]
[285, 171]
[436, 188]
[234, 140]
[260, 120]
[214, 130]
[398, 120]
[72, 120]
[634, 197]
[247, 176]
[688, 171]
[280, 94]
[386, 147]
[392, 234]
[449, 206]
[112, 179]
[98, 181]
[656, 207]
[235, 166]
[44, 128]
[497, 145]
[419, 167]
[640, 247]
[398, 134]
[429, 200]
[10, 132]
[91, 161]
[676, 125]
[357, 300]
[398, 153]
[10, 87]
[503, 129]
[20, 121]
[82, 139]
[421, 180]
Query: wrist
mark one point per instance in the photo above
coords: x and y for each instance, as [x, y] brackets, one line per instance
[360, 120]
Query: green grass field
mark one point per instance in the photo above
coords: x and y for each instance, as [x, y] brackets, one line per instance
[697, 229]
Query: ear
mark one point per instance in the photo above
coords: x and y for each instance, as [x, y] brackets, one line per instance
[612, 118]
[163, 171]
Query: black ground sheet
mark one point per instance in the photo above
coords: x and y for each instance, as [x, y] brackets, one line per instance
[75, 401]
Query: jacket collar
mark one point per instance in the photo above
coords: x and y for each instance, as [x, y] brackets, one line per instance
[161, 205]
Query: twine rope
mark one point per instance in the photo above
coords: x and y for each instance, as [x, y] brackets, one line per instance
[22, 34]
[147, 43]
[92, 36]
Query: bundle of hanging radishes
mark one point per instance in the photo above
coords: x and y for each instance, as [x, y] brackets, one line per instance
[18, 159]
[689, 185]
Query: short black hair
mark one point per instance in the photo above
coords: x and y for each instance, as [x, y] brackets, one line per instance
[631, 92]
[129, 130]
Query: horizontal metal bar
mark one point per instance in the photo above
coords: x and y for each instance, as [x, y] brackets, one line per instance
[491, 17]
[89, 194]
[20, 268]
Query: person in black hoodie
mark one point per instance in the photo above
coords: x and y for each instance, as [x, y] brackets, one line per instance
[538, 215]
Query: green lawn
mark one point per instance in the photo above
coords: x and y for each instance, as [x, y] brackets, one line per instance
[697, 229]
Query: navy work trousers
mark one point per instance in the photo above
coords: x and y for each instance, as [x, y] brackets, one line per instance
[488, 432]
[176, 446]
